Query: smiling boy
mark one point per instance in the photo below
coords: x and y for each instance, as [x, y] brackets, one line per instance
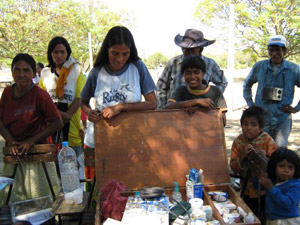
[197, 93]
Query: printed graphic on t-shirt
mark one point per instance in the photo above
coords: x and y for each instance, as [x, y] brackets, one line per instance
[113, 96]
[24, 110]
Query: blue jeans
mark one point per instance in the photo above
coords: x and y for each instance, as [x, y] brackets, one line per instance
[281, 132]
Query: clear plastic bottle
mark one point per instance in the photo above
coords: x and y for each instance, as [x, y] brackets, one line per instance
[176, 194]
[68, 168]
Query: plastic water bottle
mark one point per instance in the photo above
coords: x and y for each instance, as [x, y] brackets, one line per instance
[176, 195]
[68, 168]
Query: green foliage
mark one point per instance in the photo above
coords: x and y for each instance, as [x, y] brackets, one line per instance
[28, 26]
[256, 21]
[221, 59]
[243, 59]
[156, 60]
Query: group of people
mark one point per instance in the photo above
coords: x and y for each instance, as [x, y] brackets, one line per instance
[30, 114]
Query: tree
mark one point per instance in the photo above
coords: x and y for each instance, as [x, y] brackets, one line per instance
[28, 26]
[156, 60]
[256, 21]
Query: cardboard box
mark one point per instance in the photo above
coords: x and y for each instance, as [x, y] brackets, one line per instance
[155, 148]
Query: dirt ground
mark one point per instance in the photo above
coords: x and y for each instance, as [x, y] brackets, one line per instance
[233, 129]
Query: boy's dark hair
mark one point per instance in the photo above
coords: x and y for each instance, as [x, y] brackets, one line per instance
[256, 112]
[24, 57]
[193, 61]
[279, 155]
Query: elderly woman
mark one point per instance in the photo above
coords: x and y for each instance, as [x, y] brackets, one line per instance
[117, 81]
[28, 117]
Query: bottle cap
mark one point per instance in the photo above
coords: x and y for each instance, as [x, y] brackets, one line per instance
[65, 144]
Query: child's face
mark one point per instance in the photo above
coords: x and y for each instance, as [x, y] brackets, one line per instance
[193, 78]
[250, 128]
[284, 171]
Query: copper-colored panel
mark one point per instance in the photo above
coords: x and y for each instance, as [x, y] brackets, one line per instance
[155, 148]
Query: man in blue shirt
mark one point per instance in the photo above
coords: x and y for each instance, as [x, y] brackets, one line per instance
[276, 78]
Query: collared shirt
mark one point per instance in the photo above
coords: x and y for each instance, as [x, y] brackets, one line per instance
[171, 78]
[286, 77]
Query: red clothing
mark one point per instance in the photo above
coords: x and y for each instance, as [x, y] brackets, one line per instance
[26, 116]
[263, 142]
[83, 116]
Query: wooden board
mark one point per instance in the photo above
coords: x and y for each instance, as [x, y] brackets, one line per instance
[39, 148]
[60, 207]
[155, 148]
[29, 158]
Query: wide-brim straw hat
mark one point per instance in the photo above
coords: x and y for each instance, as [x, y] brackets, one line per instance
[192, 39]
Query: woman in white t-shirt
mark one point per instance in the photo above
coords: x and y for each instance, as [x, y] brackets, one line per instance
[117, 81]
[39, 67]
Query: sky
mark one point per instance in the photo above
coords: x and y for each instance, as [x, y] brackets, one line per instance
[157, 22]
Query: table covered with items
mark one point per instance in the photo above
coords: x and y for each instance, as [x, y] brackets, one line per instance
[165, 167]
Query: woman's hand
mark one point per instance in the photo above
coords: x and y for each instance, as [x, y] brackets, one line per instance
[13, 147]
[205, 102]
[94, 115]
[112, 111]
[66, 117]
[23, 148]
[266, 182]
[20, 148]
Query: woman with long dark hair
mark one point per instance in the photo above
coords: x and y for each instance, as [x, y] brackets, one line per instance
[63, 80]
[117, 81]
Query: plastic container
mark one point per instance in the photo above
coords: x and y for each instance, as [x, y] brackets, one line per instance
[68, 168]
[176, 195]
[74, 197]
[249, 218]
[35, 210]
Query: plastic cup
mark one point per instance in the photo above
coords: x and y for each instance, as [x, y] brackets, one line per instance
[78, 196]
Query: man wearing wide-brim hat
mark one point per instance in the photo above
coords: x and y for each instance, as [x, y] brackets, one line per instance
[276, 78]
[191, 43]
